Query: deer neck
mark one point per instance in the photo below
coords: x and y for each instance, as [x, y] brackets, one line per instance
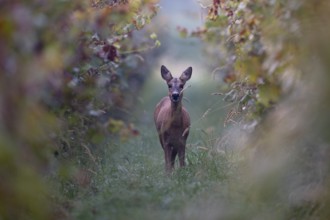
[176, 111]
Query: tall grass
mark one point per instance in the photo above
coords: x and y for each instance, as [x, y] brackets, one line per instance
[132, 183]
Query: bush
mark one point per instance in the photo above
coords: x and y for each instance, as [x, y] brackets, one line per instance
[68, 72]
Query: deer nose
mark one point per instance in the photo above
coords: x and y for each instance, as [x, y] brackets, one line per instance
[175, 96]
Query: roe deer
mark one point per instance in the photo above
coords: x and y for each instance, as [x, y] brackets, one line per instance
[172, 119]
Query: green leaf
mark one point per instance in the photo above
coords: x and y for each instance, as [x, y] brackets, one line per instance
[268, 94]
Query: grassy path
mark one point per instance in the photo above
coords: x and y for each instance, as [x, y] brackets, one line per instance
[132, 184]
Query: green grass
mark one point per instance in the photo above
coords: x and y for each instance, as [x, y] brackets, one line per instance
[130, 180]
[132, 184]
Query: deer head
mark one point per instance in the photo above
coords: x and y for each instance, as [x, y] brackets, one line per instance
[175, 85]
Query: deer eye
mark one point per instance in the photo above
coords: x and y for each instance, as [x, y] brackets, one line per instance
[169, 86]
[181, 86]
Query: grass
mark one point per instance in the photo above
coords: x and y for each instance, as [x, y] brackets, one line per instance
[217, 183]
[132, 183]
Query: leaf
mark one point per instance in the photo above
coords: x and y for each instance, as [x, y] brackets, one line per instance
[157, 43]
[153, 36]
[268, 94]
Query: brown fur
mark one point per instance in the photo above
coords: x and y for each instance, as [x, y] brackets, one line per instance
[172, 122]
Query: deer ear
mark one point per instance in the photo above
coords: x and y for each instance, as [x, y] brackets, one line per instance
[185, 76]
[166, 74]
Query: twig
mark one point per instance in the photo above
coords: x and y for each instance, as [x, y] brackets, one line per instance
[217, 93]
[185, 131]
[185, 89]
[89, 153]
[206, 113]
[92, 171]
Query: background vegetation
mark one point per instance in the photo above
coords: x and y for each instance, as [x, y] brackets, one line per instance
[77, 91]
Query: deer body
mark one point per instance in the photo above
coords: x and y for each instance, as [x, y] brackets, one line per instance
[172, 119]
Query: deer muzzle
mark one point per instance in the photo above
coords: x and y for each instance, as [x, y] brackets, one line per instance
[175, 96]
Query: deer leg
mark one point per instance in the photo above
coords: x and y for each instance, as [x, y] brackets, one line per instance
[167, 151]
[182, 152]
[173, 155]
[161, 141]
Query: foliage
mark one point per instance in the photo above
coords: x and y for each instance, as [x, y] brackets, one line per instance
[257, 58]
[71, 72]
[277, 74]
[69, 69]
